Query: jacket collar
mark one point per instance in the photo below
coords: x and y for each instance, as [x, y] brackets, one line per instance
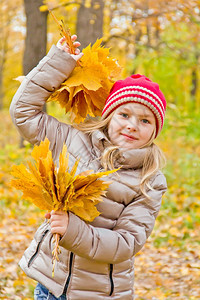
[128, 159]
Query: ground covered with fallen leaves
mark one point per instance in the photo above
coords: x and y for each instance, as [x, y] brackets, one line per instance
[168, 267]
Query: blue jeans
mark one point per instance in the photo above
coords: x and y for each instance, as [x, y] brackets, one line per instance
[41, 293]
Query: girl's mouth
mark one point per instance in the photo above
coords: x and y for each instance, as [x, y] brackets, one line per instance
[129, 137]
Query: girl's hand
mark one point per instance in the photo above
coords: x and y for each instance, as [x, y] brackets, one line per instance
[58, 221]
[62, 45]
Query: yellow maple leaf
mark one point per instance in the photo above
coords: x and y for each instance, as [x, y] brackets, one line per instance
[85, 91]
[52, 188]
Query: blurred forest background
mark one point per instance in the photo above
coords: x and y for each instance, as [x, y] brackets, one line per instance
[158, 38]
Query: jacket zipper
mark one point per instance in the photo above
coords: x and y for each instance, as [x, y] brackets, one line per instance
[70, 272]
[111, 280]
[38, 247]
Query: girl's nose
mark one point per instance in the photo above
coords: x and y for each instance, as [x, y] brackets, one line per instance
[132, 124]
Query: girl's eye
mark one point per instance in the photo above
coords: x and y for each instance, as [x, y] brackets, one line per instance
[145, 121]
[124, 115]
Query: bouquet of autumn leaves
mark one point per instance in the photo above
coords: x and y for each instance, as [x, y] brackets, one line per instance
[57, 188]
[85, 91]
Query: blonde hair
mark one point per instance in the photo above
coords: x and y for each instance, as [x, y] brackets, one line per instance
[154, 159]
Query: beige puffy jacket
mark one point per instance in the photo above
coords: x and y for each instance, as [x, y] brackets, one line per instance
[96, 260]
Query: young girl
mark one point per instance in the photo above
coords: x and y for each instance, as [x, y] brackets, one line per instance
[97, 259]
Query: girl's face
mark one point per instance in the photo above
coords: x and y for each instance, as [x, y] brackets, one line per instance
[132, 126]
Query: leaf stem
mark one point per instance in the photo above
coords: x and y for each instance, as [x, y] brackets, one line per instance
[55, 251]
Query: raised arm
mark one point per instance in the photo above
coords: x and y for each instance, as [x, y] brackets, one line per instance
[26, 107]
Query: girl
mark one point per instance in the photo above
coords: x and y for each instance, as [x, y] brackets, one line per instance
[96, 260]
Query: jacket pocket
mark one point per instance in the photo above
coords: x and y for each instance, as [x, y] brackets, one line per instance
[38, 248]
[111, 280]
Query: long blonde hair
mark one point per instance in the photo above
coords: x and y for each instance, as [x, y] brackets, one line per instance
[154, 159]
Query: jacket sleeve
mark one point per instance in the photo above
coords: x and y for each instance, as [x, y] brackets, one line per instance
[132, 229]
[27, 104]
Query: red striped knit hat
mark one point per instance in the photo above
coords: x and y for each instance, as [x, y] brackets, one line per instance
[140, 89]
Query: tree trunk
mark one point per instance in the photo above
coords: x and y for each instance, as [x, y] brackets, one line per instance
[194, 84]
[3, 60]
[36, 36]
[5, 24]
[89, 25]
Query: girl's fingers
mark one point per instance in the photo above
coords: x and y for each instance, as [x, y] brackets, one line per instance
[55, 215]
[60, 41]
[56, 230]
[48, 215]
[61, 44]
[77, 56]
[57, 212]
[56, 223]
[76, 44]
[77, 51]
[63, 39]
[73, 37]
[59, 222]
[59, 230]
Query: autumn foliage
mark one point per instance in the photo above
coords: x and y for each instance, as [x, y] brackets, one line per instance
[52, 188]
[87, 88]
[85, 91]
